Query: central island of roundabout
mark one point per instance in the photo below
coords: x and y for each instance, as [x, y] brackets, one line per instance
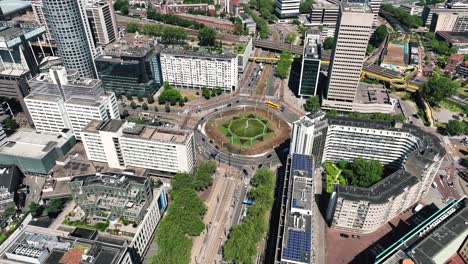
[247, 130]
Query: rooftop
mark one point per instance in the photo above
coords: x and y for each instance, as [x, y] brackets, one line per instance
[28, 143]
[60, 247]
[371, 94]
[353, 7]
[44, 87]
[10, 6]
[455, 38]
[201, 53]
[297, 236]
[109, 179]
[137, 131]
[8, 33]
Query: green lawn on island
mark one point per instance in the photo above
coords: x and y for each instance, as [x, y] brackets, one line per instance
[248, 128]
[245, 129]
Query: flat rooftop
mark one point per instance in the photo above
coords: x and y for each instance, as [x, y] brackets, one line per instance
[355, 7]
[456, 228]
[62, 247]
[201, 53]
[109, 179]
[131, 130]
[297, 235]
[10, 6]
[371, 94]
[456, 38]
[30, 144]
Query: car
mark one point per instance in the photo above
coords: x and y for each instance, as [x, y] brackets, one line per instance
[450, 184]
[237, 101]
[245, 172]
[356, 236]
[203, 139]
[216, 147]
[434, 185]
[229, 105]
[260, 166]
[269, 156]
[216, 109]
[344, 235]
[211, 141]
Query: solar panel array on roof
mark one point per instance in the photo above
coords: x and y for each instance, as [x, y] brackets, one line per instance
[302, 162]
[298, 246]
[295, 205]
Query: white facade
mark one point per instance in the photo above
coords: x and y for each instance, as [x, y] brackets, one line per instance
[412, 9]
[287, 8]
[348, 142]
[144, 234]
[60, 107]
[351, 40]
[165, 150]
[198, 71]
[443, 21]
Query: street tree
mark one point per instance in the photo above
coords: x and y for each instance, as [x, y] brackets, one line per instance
[439, 87]
[328, 43]
[312, 104]
[456, 127]
[207, 36]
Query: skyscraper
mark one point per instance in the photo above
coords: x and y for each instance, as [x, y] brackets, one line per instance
[310, 70]
[351, 38]
[68, 26]
[101, 17]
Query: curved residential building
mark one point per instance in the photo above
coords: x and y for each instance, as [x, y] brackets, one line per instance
[68, 26]
[415, 154]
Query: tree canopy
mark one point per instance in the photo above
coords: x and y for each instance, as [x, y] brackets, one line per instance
[207, 36]
[282, 68]
[290, 37]
[132, 27]
[362, 172]
[328, 43]
[439, 87]
[262, 24]
[241, 245]
[456, 127]
[184, 217]
[379, 35]
[169, 95]
[312, 104]
[411, 21]
[305, 6]
[122, 6]
[172, 19]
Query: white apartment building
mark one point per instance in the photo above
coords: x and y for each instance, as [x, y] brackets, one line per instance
[60, 100]
[415, 154]
[198, 69]
[351, 39]
[123, 144]
[287, 8]
[145, 232]
[346, 141]
[309, 134]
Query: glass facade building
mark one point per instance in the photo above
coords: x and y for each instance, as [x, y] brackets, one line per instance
[135, 71]
[310, 70]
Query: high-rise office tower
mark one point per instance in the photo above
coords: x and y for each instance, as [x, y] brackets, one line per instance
[351, 38]
[69, 27]
[310, 69]
[287, 8]
[101, 17]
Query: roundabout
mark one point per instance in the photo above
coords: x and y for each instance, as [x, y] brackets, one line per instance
[247, 130]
